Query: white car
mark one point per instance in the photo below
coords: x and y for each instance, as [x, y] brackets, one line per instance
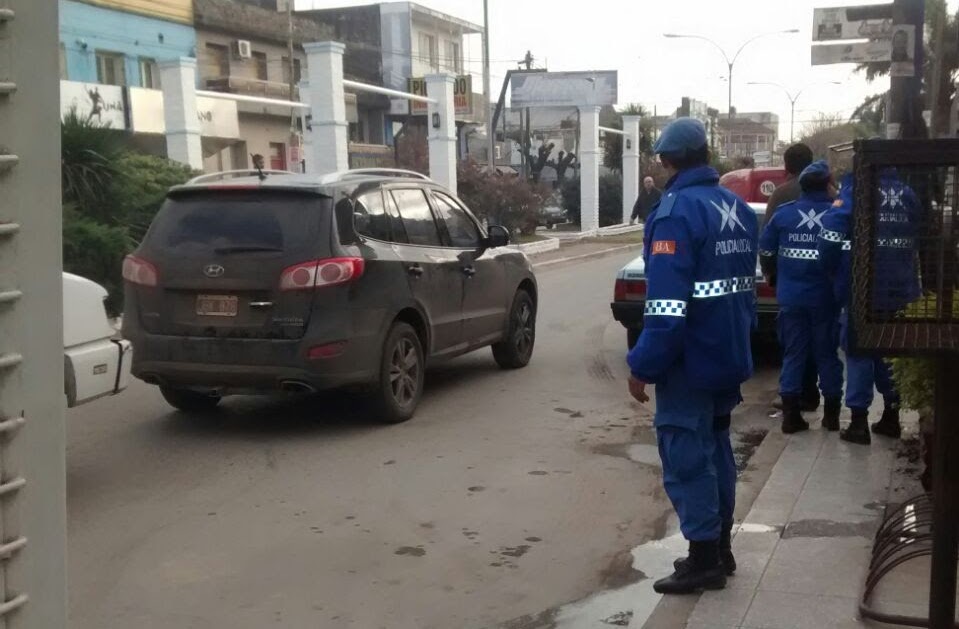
[95, 362]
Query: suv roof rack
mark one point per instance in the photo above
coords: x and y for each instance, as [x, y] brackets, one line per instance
[388, 172]
[229, 174]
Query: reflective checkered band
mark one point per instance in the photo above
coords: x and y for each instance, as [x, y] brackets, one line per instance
[895, 243]
[847, 245]
[719, 288]
[799, 254]
[665, 308]
[831, 236]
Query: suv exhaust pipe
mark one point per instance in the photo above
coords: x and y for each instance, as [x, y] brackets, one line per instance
[295, 386]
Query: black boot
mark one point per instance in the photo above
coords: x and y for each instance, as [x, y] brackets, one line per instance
[888, 425]
[858, 430]
[725, 553]
[810, 403]
[726, 550]
[792, 418]
[830, 418]
[701, 571]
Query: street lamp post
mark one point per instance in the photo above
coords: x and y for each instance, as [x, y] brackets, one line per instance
[792, 100]
[730, 62]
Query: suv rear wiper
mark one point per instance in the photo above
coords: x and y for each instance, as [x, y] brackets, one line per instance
[246, 249]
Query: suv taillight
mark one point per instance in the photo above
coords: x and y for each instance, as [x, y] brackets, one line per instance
[320, 273]
[139, 271]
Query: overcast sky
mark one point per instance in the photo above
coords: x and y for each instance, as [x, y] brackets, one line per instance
[627, 35]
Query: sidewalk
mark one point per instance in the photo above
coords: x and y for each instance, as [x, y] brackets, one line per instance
[805, 545]
[584, 249]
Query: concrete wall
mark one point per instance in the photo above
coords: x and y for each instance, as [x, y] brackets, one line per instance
[85, 28]
[257, 131]
[243, 68]
[421, 63]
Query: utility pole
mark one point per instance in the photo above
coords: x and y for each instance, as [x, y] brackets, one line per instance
[904, 92]
[294, 137]
[527, 134]
[487, 90]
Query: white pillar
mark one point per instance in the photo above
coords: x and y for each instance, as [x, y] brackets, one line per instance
[631, 181]
[589, 158]
[305, 118]
[442, 130]
[328, 144]
[178, 78]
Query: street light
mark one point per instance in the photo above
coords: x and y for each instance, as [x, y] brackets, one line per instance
[793, 98]
[730, 62]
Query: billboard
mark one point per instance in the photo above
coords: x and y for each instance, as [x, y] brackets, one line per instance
[462, 95]
[101, 103]
[217, 117]
[564, 89]
[863, 22]
[858, 52]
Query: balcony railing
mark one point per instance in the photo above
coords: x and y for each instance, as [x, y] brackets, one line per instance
[253, 87]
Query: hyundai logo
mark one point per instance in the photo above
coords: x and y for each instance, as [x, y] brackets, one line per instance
[213, 270]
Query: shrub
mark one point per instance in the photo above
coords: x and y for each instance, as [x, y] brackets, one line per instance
[501, 199]
[96, 252]
[140, 192]
[89, 155]
[916, 377]
[610, 200]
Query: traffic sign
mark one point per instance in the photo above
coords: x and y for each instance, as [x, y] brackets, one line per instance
[858, 52]
[864, 22]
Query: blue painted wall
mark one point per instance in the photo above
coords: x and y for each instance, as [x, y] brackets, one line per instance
[84, 29]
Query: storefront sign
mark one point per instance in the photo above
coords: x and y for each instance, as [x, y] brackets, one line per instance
[217, 117]
[462, 95]
[103, 104]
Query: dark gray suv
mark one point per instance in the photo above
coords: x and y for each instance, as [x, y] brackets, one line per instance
[249, 283]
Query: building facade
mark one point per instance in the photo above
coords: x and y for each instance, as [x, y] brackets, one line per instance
[742, 137]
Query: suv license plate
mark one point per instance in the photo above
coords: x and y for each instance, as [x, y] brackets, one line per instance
[216, 305]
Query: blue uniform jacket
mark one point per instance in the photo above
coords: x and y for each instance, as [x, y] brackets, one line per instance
[895, 262]
[791, 236]
[701, 246]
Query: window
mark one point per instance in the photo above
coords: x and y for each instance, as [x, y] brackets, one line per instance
[454, 59]
[462, 230]
[296, 70]
[218, 60]
[398, 231]
[260, 66]
[277, 156]
[417, 218]
[429, 52]
[63, 62]
[369, 216]
[149, 74]
[110, 69]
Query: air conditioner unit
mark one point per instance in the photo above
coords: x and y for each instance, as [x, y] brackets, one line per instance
[242, 49]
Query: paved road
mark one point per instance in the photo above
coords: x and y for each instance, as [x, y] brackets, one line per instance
[508, 494]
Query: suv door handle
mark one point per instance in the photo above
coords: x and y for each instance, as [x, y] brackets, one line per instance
[415, 270]
[469, 271]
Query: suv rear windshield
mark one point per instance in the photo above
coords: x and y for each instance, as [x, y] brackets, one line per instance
[238, 221]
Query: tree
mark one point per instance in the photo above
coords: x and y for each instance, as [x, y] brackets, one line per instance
[537, 163]
[561, 165]
[613, 144]
[501, 199]
[89, 156]
[830, 130]
[610, 200]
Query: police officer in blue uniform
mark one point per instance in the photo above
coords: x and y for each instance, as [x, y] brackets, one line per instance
[695, 344]
[896, 284]
[808, 312]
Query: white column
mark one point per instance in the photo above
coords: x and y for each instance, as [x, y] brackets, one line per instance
[631, 181]
[178, 78]
[442, 130]
[328, 142]
[589, 158]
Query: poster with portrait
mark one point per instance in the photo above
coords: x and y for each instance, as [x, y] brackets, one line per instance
[903, 51]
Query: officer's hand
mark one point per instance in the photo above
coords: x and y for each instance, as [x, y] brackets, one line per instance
[637, 389]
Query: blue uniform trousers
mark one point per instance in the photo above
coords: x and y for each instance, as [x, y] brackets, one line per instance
[864, 373]
[687, 448]
[723, 458]
[803, 331]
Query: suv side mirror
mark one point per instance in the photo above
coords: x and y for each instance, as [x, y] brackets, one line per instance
[498, 236]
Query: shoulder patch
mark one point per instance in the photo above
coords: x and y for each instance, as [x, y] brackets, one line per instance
[663, 247]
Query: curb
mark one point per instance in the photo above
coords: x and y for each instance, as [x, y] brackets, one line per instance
[537, 247]
[594, 254]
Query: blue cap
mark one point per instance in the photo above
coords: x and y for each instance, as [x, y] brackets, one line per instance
[817, 172]
[680, 137]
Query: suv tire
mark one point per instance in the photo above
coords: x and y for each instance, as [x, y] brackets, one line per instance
[516, 350]
[402, 370]
[189, 401]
